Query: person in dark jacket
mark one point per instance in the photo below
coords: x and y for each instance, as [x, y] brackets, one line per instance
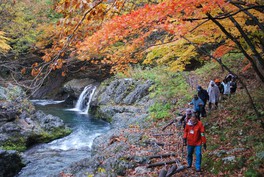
[202, 93]
[220, 85]
[233, 85]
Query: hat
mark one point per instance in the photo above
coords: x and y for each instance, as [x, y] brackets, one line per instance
[194, 115]
[217, 80]
[199, 87]
[188, 111]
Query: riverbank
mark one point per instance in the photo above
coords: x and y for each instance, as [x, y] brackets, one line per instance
[47, 159]
[22, 126]
[233, 132]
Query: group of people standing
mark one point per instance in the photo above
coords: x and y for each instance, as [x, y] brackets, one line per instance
[193, 136]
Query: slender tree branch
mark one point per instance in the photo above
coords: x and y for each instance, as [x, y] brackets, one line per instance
[250, 15]
[225, 15]
[239, 46]
[37, 82]
[248, 41]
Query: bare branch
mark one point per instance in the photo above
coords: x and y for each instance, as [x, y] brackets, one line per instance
[225, 15]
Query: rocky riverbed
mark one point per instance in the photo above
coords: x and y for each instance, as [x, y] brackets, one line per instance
[124, 103]
[22, 126]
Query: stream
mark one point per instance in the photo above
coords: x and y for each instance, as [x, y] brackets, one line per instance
[49, 159]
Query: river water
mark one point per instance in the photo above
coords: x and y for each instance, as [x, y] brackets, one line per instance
[48, 159]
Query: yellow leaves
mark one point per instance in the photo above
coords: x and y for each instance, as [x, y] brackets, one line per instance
[175, 55]
[4, 47]
[59, 64]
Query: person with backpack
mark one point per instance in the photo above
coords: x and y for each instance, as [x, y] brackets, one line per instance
[197, 105]
[202, 93]
[185, 118]
[194, 138]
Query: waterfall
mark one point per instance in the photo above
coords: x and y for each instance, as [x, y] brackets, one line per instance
[84, 100]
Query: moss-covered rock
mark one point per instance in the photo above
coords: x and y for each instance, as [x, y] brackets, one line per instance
[45, 137]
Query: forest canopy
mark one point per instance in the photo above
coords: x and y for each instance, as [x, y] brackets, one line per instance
[120, 33]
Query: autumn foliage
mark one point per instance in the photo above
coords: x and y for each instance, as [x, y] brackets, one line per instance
[169, 32]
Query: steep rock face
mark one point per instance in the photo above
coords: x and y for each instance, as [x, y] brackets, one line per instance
[123, 102]
[10, 163]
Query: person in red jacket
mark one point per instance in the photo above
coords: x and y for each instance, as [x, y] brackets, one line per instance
[194, 137]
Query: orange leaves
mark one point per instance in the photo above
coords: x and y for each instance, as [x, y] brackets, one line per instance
[34, 65]
[247, 67]
[35, 72]
[63, 74]
[23, 71]
[124, 38]
[221, 50]
[59, 64]
[35, 69]
[46, 58]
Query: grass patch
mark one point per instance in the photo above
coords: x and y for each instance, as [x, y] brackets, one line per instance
[160, 111]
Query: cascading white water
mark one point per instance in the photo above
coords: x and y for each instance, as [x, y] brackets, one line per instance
[84, 100]
[89, 100]
[49, 159]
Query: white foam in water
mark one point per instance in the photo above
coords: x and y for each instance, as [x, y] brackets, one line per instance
[76, 140]
[46, 102]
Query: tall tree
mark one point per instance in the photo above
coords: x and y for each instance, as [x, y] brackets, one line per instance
[122, 39]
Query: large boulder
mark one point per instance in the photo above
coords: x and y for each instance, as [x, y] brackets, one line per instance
[21, 125]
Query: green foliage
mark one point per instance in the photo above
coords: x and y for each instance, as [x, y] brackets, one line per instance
[22, 21]
[160, 111]
[252, 173]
